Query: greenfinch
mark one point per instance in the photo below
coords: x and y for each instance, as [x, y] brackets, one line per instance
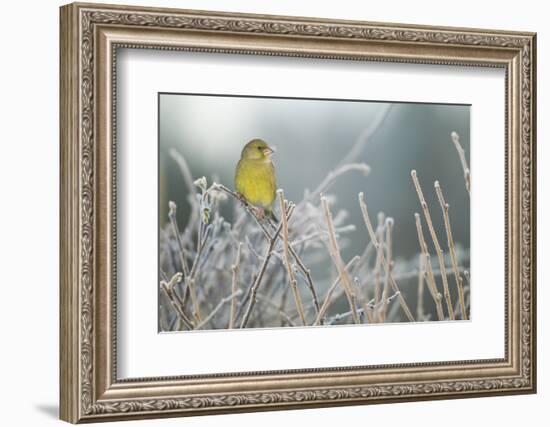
[255, 176]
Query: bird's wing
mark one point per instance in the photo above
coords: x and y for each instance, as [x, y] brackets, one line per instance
[273, 178]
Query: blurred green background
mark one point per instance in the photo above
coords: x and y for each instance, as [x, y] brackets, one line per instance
[311, 138]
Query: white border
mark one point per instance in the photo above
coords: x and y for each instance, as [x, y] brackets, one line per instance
[142, 352]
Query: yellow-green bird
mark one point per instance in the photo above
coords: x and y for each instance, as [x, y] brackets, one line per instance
[255, 176]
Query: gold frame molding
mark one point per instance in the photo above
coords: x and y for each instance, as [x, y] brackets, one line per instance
[90, 36]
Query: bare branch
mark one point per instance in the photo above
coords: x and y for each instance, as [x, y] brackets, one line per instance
[189, 183]
[450, 243]
[435, 240]
[222, 302]
[234, 274]
[330, 292]
[269, 252]
[367, 134]
[334, 251]
[420, 294]
[385, 263]
[462, 154]
[333, 176]
[286, 252]
[177, 236]
[389, 255]
[265, 300]
[168, 288]
[432, 286]
[306, 272]
[378, 264]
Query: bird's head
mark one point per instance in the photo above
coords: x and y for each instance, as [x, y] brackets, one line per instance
[257, 149]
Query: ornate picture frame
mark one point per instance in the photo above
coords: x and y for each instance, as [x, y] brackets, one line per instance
[90, 37]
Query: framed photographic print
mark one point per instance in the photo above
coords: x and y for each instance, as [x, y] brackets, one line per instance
[266, 212]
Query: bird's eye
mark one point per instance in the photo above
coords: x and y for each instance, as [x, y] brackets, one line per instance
[259, 148]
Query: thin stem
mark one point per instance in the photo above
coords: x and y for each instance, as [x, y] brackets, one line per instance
[420, 294]
[222, 302]
[333, 176]
[258, 280]
[248, 207]
[265, 300]
[306, 272]
[234, 274]
[177, 236]
[450, 242]
[194, 299]
[385, 263]
[432, 286]
[378, 264]
[246, 297]
[389, 256]
[367, 134]
[370, 306]
[462, 154]
[287, 262]
[189, 183]
[437, 246]
[334, 251]
[328, 298]
[168, 288]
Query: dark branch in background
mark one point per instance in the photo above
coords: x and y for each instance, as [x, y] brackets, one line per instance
[366, 135]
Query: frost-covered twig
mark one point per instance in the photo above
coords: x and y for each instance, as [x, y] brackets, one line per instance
[265, 300]
[420, 290]
[450, 242]
[462, 154]
[234, 275]
[437, 246]
[330, 292]
[385, 263]
[432, 285]
[168, 288]
[331, 177]
[378, 264]
[177, 236]
[389, 256]
[288, 264]
[222, 302]
[305, 271]
[337, 259]
[267, 257]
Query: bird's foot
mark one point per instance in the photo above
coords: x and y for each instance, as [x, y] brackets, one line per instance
[260, 213]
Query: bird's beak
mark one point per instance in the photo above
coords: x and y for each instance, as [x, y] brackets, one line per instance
[268, 151]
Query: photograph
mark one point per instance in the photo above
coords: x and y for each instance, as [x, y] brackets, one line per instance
[301, 212]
